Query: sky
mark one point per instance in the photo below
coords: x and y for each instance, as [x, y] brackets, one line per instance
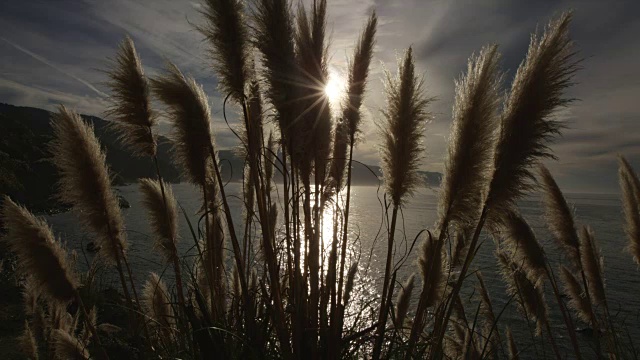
[55, 52]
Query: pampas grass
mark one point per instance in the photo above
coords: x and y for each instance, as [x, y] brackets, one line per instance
[402, 130]
[473, 131]
[522, 242]
[253, 136]
[489, 333]
[27, 343]
[39, 254]
[274, 38]
[348, 125]
[458, 248]
[527, 126]
[527, 123]
[559, 217]
[512, 349]
[163, 217]
[403, 127]
[630, 186]
[531, 297]
[592, 263]
[69, 347]
[433, 268]
[157, 304]
[226, 32]
[578, 299]
[85, 181]
[191, 120]
[351, 276]
[285, 287]
[358, 74]
[338, 157]
[402, 302]
[133, 118]
[315, 119]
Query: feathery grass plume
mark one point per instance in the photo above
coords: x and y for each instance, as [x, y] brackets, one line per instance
[163, 220]
[156, 303]
[214, 259]
[358, 73]
[530, 298]
[273, 216]
[527, 251]
[39, 254]
[402, 303]
[338, 157]
[309, 93]
[253, 132]
[270, 161]
[527, 123]
[315, 120]
[274, 38]
[348, 288]
[592, 264]
[348, 125]
[84, 181]
[27, 343]
[247, 189]
[453, 343]
[559, 217]
[458, 310]
[92, 320]
[578, 299]
[108, 328]
[512, 349]
[202, 275]
[68, 346]
[226, 32]
[30, 295]
[191, 120]
[486, 309]
[470, 346]
[630, 199]
[459, 248]
[404, 122]
[131, 103]
[433, 275]
[59, 318]
[468, 165]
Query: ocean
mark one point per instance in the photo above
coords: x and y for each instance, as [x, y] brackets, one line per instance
[368, 244]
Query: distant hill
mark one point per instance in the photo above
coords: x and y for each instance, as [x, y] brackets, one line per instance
[27, 176]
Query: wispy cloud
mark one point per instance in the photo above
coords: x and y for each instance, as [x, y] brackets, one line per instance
[55, 67]
[74, 38]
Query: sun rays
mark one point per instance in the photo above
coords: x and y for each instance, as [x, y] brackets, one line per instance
[335, 89]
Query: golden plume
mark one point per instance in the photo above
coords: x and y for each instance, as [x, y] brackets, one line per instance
[527, 123]
[191, 120]
[403, 127]
[39, 255]
[630, 200]
[226, 32]
[473, 131]
[84, 181]
[163, 219]
[559, 217]
[130, 110]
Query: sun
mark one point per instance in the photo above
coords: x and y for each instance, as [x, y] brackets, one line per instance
[335, 89]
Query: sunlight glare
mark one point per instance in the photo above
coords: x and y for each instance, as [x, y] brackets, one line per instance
[335, 89]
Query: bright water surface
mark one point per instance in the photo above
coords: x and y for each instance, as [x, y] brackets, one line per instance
[602, 212]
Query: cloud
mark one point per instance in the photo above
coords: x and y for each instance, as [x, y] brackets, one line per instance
[50, 64]
[76, 38]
